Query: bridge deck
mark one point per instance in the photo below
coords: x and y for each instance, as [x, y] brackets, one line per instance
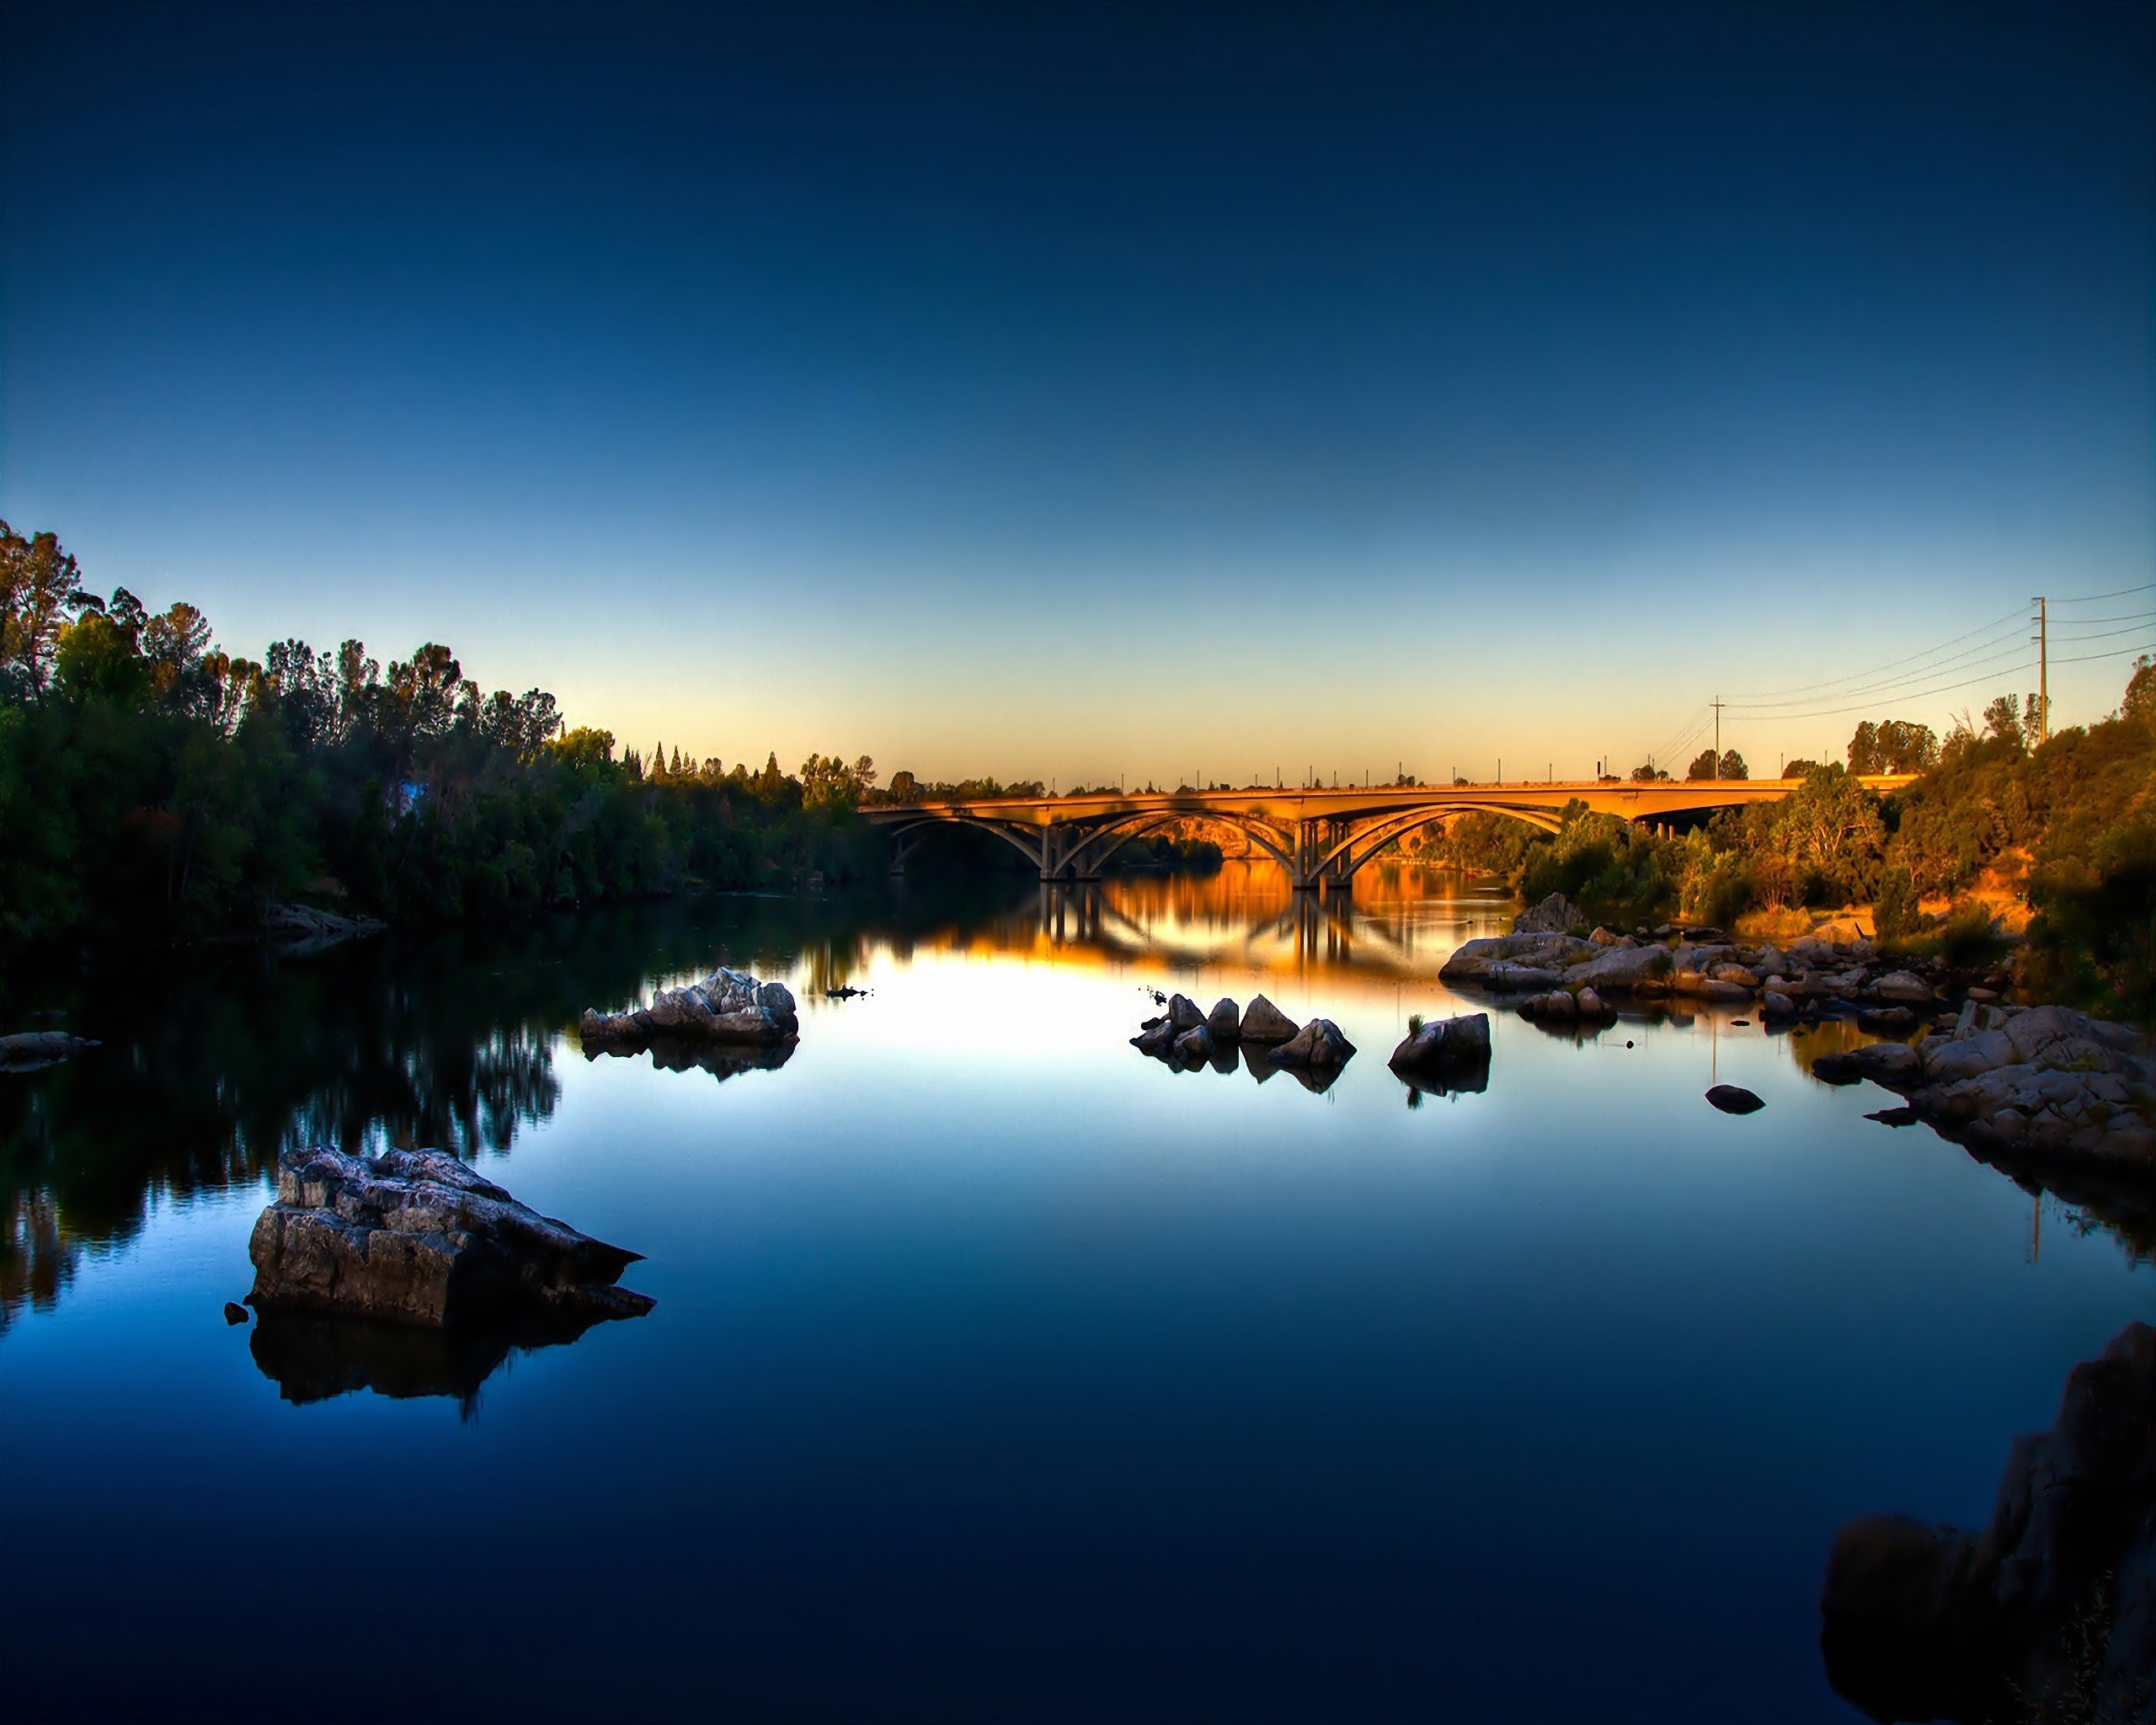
[1633, 801]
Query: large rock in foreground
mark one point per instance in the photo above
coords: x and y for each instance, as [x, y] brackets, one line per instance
[418, 1238]
[2051, 1613]
[726, 1006]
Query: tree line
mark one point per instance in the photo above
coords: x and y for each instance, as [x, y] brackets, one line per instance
[152, 784]
[2067, 824]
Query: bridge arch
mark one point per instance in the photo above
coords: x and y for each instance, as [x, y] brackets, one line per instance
[1348, 855]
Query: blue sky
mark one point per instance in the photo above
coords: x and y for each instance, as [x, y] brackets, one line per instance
[1104, 392]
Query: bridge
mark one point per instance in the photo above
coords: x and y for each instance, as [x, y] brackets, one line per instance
[1321, 838]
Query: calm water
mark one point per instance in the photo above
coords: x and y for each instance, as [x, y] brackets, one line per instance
[999, 1372]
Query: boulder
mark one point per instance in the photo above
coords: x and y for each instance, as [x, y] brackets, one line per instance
[1776, 1008]
[1194, 1045]
[726, 1006]
[1264, 1024]
[1318, 1046]
[1223, 1021]
[1554, 915]
[1886, 1020]
[1520, 961]
[1444, 1046]
[1183, 1013]
[1157, 1038]
[1604, 937]
[1734, 1099]
[26, 1050]
[2051, 1612]
[235, 1313]
[1620, 969]
[1895, 1064]
[418, 1238]
[1903, 988]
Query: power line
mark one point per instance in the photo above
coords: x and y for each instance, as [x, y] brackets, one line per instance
[2117, 593]
[1913, 695]
[1994, 656]
[2091, 658]
[1996, 626]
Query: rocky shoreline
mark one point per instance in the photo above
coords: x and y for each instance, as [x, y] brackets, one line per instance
[2050, 1613]
[2030, 1088]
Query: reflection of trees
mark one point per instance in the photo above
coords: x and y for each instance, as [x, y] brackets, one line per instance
[214, 1062]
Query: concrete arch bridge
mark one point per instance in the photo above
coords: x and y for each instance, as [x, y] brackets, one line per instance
[1321, 838]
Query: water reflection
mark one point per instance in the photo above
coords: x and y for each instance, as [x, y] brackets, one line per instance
[213, 1063]
[315, 1358]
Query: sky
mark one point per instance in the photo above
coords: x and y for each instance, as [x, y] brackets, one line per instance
[1110, 393]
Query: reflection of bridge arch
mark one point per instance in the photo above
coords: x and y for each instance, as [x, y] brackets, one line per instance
[1320, 838]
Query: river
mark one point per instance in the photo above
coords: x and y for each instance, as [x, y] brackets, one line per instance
[998, 1372]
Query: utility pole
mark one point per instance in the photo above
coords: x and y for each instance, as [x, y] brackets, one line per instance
[1717, 707]
[2043, 672]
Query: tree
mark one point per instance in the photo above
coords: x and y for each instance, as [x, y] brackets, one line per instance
[2140, 702]
[1893, 746]
[40, 587]
[1732, 765]
[1703, 766]
[2002, 721]
[1800, 768]
[1646, 773]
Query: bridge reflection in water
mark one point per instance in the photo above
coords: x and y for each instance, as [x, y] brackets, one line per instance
[1396, 921]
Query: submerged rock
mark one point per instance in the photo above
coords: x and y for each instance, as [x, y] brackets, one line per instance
[2051, 1612]
[1735, 1099]
[418, 1238]
[726, 1006]
[235, 1313]
[26, 1050]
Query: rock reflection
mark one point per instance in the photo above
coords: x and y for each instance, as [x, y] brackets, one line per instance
[313, 1359]
[675, 1054]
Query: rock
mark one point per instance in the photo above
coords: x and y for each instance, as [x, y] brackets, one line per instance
[1901, 1116]
[1223, 1021]
[1619, 970]
[1776, 1008]
[726, 1006]
[418, 1238]
[1604, 937]
[1525, 962]
[1183, 1012]
[1895, 1064]
[1904, 987]
[1593, 1005]
[1734, 1099]
[1555, 1006]
[1554, 915]
[2051, 1612]
[1264, 1024]
[1194, 1045]
[1737, 974]
[1157, 1038]
[235, 1313]
[300, 929]
[1318, 1046]
[1444, 1046]
[1886, 1020]
[26, 1050]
